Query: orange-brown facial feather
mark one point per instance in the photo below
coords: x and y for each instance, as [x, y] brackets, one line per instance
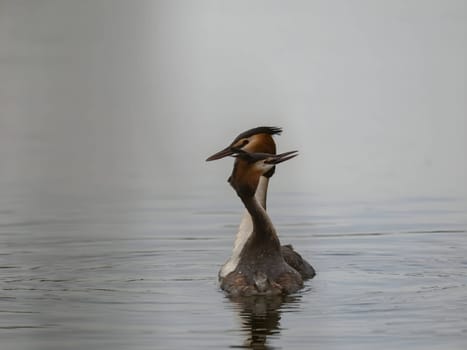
[259, 143]
[245, 177]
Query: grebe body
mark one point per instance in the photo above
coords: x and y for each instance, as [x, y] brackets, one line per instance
[258, 140]
[261, 268]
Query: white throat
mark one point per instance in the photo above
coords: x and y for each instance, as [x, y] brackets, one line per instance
[245, 229]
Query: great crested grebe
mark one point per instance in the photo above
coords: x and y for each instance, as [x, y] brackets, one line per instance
[261, 268]
[258, 140]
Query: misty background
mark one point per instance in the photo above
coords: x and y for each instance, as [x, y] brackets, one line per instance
[112, 95]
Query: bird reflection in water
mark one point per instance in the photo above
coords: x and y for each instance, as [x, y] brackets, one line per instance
[260, 317]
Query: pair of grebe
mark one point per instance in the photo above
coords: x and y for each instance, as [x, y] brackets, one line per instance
[259, 265]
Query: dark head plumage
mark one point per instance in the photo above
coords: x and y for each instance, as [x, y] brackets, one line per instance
[271, 130]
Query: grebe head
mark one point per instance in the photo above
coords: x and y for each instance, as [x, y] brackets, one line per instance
[249, 167]
[256, 140]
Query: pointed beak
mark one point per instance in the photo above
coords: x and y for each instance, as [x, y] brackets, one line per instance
[221, 154]
[279, 158]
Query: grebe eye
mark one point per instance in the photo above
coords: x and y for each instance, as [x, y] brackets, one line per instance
[241, 143]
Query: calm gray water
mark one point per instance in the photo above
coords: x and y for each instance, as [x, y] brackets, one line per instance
[137, 270]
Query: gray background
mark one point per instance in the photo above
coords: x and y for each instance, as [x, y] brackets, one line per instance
[138, 94]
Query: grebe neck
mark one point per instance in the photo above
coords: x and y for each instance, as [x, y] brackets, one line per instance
[245, 229]
[246, 225]
[263, 229]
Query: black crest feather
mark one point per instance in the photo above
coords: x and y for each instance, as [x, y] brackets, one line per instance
[271, 130]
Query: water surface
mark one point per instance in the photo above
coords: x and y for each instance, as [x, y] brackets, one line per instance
[138, 269]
